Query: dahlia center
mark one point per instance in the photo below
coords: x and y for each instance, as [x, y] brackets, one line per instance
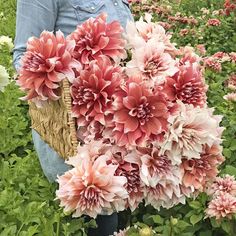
[142, 112]
[90, 196]
[34, 61]
[84, 95]
[153, 66]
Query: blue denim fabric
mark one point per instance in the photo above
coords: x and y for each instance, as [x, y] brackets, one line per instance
[35, 16]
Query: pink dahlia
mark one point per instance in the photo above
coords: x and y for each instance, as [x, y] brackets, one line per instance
[227, 184]
[152, 63]
[92, 91]
[187, 85]
[91, 187]
[164, 194]
[197, 172]
[213, 22]
[232, 82]
[230, 97]
[130, 170]
[201, 49]
[155, 167]
[144, 30]
[139, 115]
[189, 130]
[95, 37]
[46, 62]
[213, 63]
[233, 56]
[223, 205]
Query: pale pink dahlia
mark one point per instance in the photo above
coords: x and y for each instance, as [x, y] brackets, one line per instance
[155, 167]
[187, 85]
[46, 62]
[143, 30]
[93, 89]
[198, 172]
[95, 37]
[213, 63]
[91, 187]
[223, 205]
[227, 184]
[230, 97]
[188, 132]
[139, 115]
[152, 63]
[130, 170]
[164, 194]
[231, 83]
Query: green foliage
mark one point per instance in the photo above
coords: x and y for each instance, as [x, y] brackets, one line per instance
[27, 205]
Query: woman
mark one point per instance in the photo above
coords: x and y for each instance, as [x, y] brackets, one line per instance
[32, 18]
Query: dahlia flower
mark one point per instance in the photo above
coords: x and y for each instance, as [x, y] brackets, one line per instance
[154, 167]
[4, 78]
[213, 22]
[187, 85]
[139, 115]
[91, 187]
[230, 97]
[95, 37]
[164, 194]
[130, 170]
[233, 56]
[223, 205]
[197, 172]
[46, 62]
[188, 131]
[227, 184]
[152, 63]
[232, 82]
[212, 63]
[5, 40]
[201, 48]
[93, 89]
[140, 32]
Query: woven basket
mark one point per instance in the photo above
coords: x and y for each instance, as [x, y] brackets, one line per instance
[55, 124]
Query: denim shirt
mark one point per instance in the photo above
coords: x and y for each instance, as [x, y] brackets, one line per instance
[34, 16]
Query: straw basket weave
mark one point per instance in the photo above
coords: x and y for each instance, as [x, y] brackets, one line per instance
[55, 124]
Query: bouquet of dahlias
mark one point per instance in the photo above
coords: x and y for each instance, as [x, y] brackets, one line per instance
[141, 113]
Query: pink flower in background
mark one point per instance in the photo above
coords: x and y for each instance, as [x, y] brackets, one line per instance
[46, 63]
[223, 205]
[230, 97]
[188, 131]
[197, 172]
[227, 184]
[221, 56]
[201, 48]
[231, 82]
[95, 37]
[187, 85]
[93, 89]
[213, 22]
[212, 63]
[184, 32]
[229, 6]
[139, 115]
[233, 56]
[91, 187]
[152, 63]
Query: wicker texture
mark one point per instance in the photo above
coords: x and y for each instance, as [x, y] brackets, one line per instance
[55, 123]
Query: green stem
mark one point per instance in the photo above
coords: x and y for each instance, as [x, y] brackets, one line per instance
[58, 226]
[20, 229]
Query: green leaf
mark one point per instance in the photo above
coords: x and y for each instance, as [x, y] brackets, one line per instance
[195, 204]
[231, 170]
[194, 219]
